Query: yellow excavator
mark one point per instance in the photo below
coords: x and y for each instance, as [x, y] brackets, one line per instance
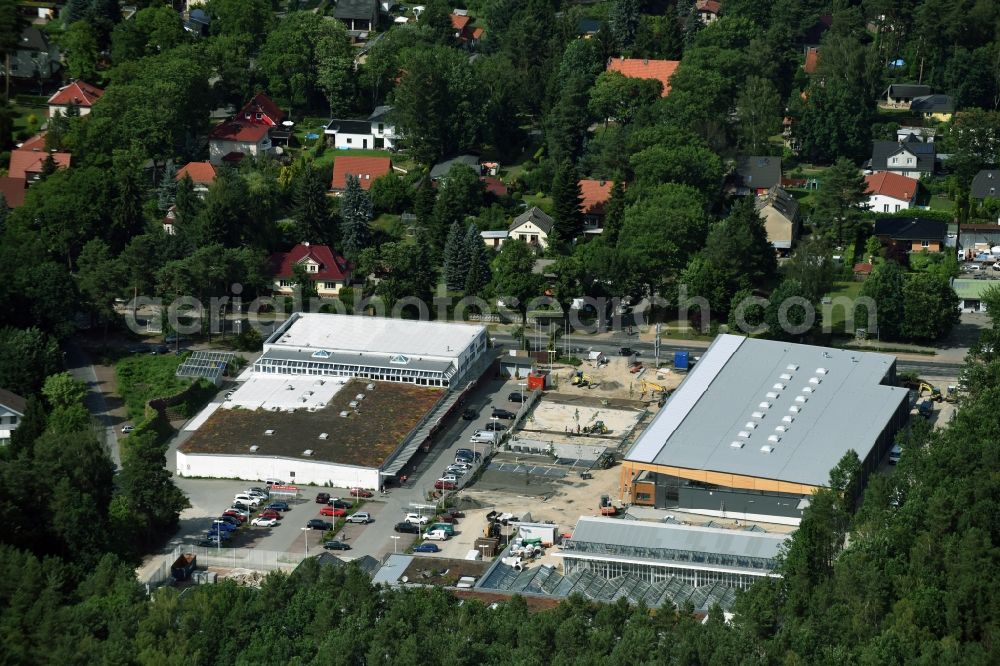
[582, 380]
[933, 392]
[653, 387]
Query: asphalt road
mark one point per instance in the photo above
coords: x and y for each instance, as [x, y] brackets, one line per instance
[78, 364]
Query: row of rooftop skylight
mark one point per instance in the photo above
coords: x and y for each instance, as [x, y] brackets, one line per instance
[750, 426]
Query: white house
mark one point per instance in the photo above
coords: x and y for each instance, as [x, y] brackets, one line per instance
[12, 407]
[889, 192]
[235, 139]
[532, 226]
[78, 95]
[375, 133]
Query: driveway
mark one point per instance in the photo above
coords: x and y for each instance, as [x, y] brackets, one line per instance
[78, 364]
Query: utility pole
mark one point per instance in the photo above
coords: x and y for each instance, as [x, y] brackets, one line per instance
[656, 346]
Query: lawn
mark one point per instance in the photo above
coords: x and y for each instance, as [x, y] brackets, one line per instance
[941, 203]
[144, 377]
[841, 305]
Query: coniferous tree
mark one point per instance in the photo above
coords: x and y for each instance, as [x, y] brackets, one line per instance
[566, 202]
[168, 187]
[186, 201]
[311, 206]
[624, 20]
[49, 166]
[614, 212]
[4, 213]
[479, 262]
[456, 259]
[356, 212]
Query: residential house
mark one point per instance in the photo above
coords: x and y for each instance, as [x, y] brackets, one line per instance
[494, 187]
[925, 134]
[757, 174]
[170, 221]
[912, 157]
[780, 211]
[587, 27]
[593, 195]
[328, 271]
[708, 10]
[198, 23]
[901, 95]
[366, 169]
[889, 192]
[78, 95]
[36, 57]
[660, 70]
[13, 191]
[977, 240]
[934, 107]
[812, 60]
[27, 160]
[261, 110]
[912, 234]
[986, 184]
[374, 133]
[233, 140]
[202, 175]
[360, 17]
[441, 169]
[465, 32]
[12, 408]
[532, 226]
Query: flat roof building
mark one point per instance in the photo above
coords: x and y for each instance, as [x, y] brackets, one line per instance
[420, 352]
[757, 426]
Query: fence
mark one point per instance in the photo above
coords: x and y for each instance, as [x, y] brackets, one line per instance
[234, 558]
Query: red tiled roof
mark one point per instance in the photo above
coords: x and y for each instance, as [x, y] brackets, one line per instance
[239, 130]
[331, 266]
[863, 268]
[812, 60]
[710, 6]
[264, 105]
[13, 190]
[199, 172]
[77, 93]
[594, 194]
[366, 169]
[891, 185]
[36, 142]
[477, 33]
[661, 70]
[459, 22]
[24, 162]
[494, 186]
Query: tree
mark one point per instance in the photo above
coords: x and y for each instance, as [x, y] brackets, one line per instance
[49, 167]
[27, 357]
[514, 280]
[972, 137]
[624, 21]
[759, 111]
[930, 307]
[404, 271]
[614, 212]
[839, 200]
[435, 21]
[885, 287]
[304, 282]
[619, 97]
[335, 68]
[567, 203]
[222, 219]
[746, 314]
[79, 47]
[99, 279]
[456, 257]
[64, 390]
[168, 187]
[811, 265]
[12, 22]
[789, 315]
[152, 30]
[240, 17]
[356, 212]
[390, 194]
[459, 195]
[311, 205]
[835, 122]
[479, 262]
[693, 165]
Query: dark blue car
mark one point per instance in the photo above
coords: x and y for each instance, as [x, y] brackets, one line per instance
[222, 525]
[279, 506]
[426, 548]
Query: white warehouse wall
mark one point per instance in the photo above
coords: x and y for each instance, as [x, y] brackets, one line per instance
[258, 468]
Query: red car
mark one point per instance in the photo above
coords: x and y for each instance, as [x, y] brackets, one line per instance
[441, 484]
[270, 513]
[360, 492]
[235, 514]
[332, 511]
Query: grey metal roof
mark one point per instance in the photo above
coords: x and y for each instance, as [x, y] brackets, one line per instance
[781, 201]
[883, 150]
[735, 384]
[380, 114]
[392, 569]
[933, 104]
[366, 359]
[671, 536]
[356, 9]
[348, 127]
[897, 90]
[441, 169]
[986, 184]
[13, 401]
[536, 216]
[759, 171]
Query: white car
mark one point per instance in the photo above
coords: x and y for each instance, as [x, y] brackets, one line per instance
[449, 478]
[416, 519]
[360, 517]
[126, 429]
[436, 535]
[455, 470]
[274, 482]
[248, 500]
[264, 522]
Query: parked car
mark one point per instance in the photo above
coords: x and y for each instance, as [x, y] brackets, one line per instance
[258, 493]
[457, 513]
[337, 512]
[447, 518]
[322, 498]
[236, 513]
[270, 513]
[127, 428]
[625, 351]
[495, 426]
[361, 492]
[484, 437]
[172, 338]
[242, 506]
[235, 522]
[268, 482]
[441, 484]
[278, 506]
[360, 517]
[317, 524]
[461, 465]
[416, 519]
[426, 548]
[436, 535]
[516, 396]
[407, 528]
[450, 477]
[341, 503]
[336, 545]
[159, 349]
[503, 413]
[455, 470]
[222, 525]
[260, 521]
[470, 414]
[249, 500]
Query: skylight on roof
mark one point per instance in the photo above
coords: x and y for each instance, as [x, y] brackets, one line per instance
[766, 448]
[815, 380]
[779, 387]
[736, 445]
[792, 367]
[785, 376]
[765, 405]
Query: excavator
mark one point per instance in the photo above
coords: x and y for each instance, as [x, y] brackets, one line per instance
[582, 380]
[933, 392]
[598, 428]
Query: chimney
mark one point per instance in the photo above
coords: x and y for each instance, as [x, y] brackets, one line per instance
[645, 61]
[603, 182]
[306, 243]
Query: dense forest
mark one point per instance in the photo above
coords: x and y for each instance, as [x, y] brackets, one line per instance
[906, 575]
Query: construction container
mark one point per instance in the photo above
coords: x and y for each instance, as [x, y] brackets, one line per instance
[536, 381]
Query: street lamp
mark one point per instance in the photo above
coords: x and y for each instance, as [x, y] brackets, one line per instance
[305, 531]
[395, 542]
[483, 548]
[522, 385]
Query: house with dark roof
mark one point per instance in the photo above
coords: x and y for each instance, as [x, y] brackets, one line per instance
[911, 157]
[934, 107]
[912, 234]
[360, 17]
[329, 272]
[889, 192]
[644, 68]
[79, 95]
[901, 95]
[780, 212]
[757, 174]
[366, 169]
[441, 169]
[36, 56]
[986, 184]
[12, 408]
[198, 23]
[588, 27]
[532, 226]
[376, 132]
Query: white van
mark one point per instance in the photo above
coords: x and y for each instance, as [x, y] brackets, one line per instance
[485, 437]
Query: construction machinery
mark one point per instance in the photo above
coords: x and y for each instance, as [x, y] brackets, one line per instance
[582, 380]
[597, 428]
[653, 387]
[606, 507]
[933, 392]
